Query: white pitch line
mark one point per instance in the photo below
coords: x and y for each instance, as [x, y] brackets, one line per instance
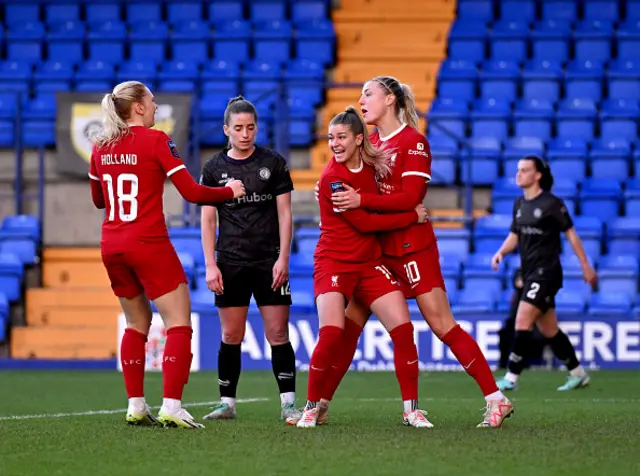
[120, 410]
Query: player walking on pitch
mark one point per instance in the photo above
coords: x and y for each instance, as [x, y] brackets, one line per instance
[538, 219]
[129, 165]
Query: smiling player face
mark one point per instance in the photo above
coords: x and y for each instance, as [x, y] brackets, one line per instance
[345, 144]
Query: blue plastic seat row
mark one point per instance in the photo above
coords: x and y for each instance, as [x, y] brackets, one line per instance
[530, 10]
[176, 10]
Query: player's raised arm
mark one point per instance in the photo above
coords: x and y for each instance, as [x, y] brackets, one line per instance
[171, 163]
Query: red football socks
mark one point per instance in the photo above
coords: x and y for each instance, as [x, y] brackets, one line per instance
[328, 346]
[405, 357]
[133, 358]
[176, 362]
[343, 359]
[466, 350]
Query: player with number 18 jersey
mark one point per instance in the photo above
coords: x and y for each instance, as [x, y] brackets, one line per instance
[128, 180]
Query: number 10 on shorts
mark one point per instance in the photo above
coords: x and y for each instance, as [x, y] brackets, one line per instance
[413, 275]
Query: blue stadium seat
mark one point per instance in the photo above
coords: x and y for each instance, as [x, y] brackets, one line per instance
[589, 228]
[633, 9]
[308, 10]
[11, 273]
[592, 39]
[38, 133]
[584, 79]
[602, 10]
[567, 156]
[624, 79]
[457, 79]
[450, 264]
[576, 118]
[106, 40]
[522, 10]
[15, 12]
[508, 39]
[480, 10]
[184, 10]
[54, 70]
[148, 41]
[7, 133]
[503, 194]
[479, 165]
[304, 79]
[632, 198]
[453, 241]
[231, 40]
[190, 41]
[601, 197]
[260, 81]
[490, 231]
[444, 151]
[189, 266]
[102, 11]
[490, 118]
[610, 304]
[138, 70]
[550, 40]
[619, 119]
[628, 35]
[226, 10]
[272, 40]
[447, 117]
[220, 76]
[475, 301]
[467, 40]
[306, 240]
[567, 190]
[570, 302]
[65, 41]
[20, 244]
[316, 41]
[518, 147]
[618, 273]
[24, 224]
[8, 105]
[499, 79]
[95, 70]
[533, 118]
[610, 158]
[24, 41]
[622, 236]
[541, 80]
[137, 12]
[41, 107]
[560, 10]
[265, 10]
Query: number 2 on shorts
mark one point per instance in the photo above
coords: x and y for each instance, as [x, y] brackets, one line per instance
[533, 290]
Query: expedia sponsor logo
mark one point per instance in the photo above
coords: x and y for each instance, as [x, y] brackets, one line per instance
[418, 152]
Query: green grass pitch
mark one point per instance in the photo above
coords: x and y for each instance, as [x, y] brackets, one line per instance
[68, 423]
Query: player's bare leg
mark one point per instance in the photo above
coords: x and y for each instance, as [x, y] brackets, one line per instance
[563, 350]
[132, 351]
[175, 309]
[392, 311]
[436, 310]
[233, 322]
[283, 359]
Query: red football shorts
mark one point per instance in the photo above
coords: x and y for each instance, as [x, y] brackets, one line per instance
[152, 268]
[418, 272]
[366, 284]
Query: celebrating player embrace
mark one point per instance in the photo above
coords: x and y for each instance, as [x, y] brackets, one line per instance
[347, 263]
[412, 253]
[129, 165]
[538, 219]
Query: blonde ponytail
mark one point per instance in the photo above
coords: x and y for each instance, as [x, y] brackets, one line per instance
[116, 109]
[409, 112]
[376, 157]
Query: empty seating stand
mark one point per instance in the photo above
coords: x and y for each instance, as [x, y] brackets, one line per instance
[212, 48]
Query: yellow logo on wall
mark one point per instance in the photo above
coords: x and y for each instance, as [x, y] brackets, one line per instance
[86, 122]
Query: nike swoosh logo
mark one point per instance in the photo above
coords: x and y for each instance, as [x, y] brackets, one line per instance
[466, 367]
[411, 363]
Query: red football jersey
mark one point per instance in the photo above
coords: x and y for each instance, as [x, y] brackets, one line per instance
[411, 158]
[132, 175]
[348, 235]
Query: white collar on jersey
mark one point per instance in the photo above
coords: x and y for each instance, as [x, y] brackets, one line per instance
[359, 169]
[393, 134]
